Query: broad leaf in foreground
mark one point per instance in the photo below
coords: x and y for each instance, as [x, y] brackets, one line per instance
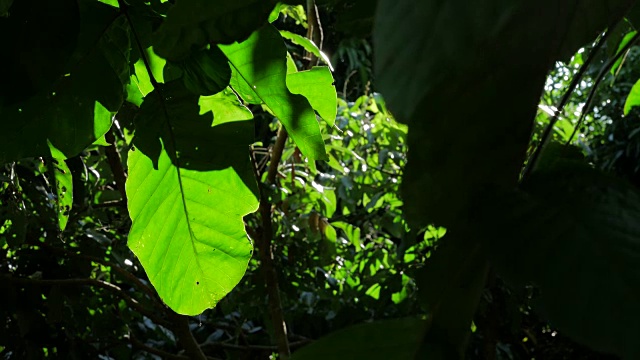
[387, 339]
[190, 184]
[259, 66]
[575, 234]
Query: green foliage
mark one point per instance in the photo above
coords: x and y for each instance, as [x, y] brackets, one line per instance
[176, 111]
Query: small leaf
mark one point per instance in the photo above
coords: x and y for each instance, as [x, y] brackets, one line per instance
[64, 187]
[317, 86]
[225, 107]
[308, 45]
[633, 99]
[260, 76]
[387, 339]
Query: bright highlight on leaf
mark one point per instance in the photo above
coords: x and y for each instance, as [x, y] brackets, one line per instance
[308, 45]
[190, 184]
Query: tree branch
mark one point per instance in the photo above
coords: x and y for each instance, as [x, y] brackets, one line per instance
[185, 337]
[90, 282]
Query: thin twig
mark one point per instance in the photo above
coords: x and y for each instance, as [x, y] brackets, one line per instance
[89, 282]
[276, 155]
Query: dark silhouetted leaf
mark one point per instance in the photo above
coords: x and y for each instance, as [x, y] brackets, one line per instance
[575, 234]
[451, 70]
[388, 339]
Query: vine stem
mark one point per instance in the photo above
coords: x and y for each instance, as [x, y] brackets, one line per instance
[265, 238]
[546, 135]
[605, 69]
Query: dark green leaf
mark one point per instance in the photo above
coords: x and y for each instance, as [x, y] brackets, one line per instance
[36, 29]
[79, 106]
[192, 24]
[388, 339]
[450, 286]
[575, 234]
[206, 72]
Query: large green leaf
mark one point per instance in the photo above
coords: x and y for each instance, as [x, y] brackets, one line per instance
[260, 76]
[190, 184]
[388, 339]
[317, 86]
[466, 77]
[575, 234]
[192, 24]
[77, 109]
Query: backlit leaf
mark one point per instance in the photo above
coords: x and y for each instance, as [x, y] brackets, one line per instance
[260, 76]
[190, 184]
